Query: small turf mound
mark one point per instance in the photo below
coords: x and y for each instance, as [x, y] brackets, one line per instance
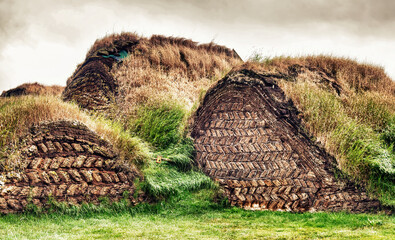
[33, 89]
[66, 161]
[248, 138]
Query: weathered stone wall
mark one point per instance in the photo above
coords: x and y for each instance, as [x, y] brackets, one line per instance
[67, 161]
[248, 137]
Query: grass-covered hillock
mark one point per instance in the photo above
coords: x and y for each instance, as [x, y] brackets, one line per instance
[346, 106]
[18, 114]
[349, 108]
[160, 82]
[145, 123]
[160, 135]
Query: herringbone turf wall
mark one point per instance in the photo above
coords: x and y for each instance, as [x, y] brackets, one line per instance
[66, 161]
[248, 138]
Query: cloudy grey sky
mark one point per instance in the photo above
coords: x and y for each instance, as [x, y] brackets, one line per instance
[43, 40]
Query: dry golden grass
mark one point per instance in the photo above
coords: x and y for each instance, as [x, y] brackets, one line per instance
[141, 82]
[161, 69]
[348, 73]
[110, 40]
[28, 110]
[166, 68]
[33, 89]
[116, 39]
[367, 94]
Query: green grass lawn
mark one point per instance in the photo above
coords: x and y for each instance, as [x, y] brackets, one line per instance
[194, 216]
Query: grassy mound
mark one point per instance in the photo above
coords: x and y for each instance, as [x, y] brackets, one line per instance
[137, 70]
[166, 69]
[18, 114]
[349, 108]
[33, 89]
[144, 123]
[159, 83]
[140, 144]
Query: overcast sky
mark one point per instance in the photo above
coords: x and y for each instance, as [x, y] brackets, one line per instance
[43, 40]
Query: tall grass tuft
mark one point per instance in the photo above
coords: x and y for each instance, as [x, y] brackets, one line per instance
[164, 181]
[162, 125]
[159, 124]
[180, 155]
[33, 89]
